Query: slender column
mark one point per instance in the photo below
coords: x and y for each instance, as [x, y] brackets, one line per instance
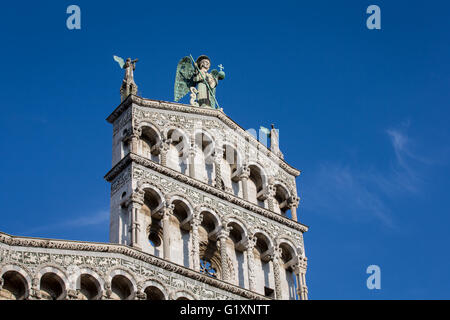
[300, 274]
[134, 146]
[134, 204]
[191, 163]
[293, 205]
[195, 223]
[270, 194]
[223, 236]
[251, 242]
[218, 155]
[275, 257]
[167, 213]
[134, 137]
[245, 174]
[163, 149]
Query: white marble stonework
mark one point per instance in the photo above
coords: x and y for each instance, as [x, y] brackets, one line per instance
[199, 210]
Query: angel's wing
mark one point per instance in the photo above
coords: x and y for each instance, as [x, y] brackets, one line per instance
[120, 61]
[183, 78]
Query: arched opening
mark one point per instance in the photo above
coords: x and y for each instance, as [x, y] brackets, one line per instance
[287, 276]
[182, 298]
[203, 160]
[281, 200]
[154, 293]
[180, 235]
[125, 144]
[265, 284]
[121, 288]
[52, 287]
[229, 166]
[14, 286]
[177, 154]
[237, 254]
[152, 202]
[149, 141]
[89, 287]
[256, 185]
[209, 253]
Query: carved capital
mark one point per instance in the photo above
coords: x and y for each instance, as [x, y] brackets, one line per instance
[73, 294]
[107, 292]
[224, 233]
[244, 172]
[250, 242]
[167, 209]
[196, 220]
[293, 202]
[275, 254]
[218, 154]
[165, 145]
[300, 265]
[141, 295]
[135, 200]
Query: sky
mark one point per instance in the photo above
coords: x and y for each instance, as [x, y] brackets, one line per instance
[362, 113]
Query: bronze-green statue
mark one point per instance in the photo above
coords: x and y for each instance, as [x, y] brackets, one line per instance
[194, 77]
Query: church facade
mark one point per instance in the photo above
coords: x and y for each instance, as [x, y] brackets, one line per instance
[199, 209]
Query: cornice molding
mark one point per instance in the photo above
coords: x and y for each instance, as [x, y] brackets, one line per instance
[129, 252]
[178, 107]
[131, 157]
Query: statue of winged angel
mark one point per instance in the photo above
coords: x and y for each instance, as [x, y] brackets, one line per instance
[194, 77]
[128, 85]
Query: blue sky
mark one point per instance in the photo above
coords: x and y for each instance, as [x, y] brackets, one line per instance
[363, 113]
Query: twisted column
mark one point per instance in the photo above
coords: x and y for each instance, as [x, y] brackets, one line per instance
[275, 258]
[195, 253]
[223, 235]
[251, 242]
[167, 213]
[218, 155]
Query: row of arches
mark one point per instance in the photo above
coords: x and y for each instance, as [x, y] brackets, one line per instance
[53, 284]
[192, 236]
[218, 164]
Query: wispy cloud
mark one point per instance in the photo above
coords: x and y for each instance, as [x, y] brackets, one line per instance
[364, 193]
[97, 218]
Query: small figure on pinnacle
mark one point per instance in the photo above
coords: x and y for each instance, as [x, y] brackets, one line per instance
[128, 85]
